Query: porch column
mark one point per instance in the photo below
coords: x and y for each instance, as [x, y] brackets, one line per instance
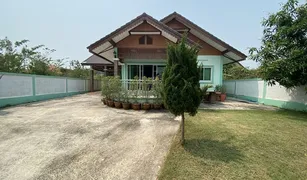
[115, 60]
[92, 81]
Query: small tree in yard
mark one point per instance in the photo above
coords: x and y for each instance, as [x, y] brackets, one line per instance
[283, 53]
[181, 90]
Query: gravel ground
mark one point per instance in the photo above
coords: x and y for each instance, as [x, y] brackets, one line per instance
[79, 138]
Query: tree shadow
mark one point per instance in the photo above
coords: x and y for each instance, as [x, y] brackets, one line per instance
[213, 150]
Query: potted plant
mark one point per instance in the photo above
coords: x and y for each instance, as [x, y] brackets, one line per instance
[157, 93]
[135, 92]
[204, 93]
[117, 86]
[126, 104]
[223, 93]
[111, 96]
[218, 89]
[146, 87]
[104, 89]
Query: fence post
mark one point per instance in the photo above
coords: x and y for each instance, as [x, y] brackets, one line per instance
[265, 84]
[235, 93]
[33, 86]
[66, 85]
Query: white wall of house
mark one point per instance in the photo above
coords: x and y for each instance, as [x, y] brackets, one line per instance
[216, 63]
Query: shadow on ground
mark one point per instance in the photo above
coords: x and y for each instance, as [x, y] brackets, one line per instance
[213, 150]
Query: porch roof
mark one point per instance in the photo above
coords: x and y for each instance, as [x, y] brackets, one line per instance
[228, 51]
[96, 60]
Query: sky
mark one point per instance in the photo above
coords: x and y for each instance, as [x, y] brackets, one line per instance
[70, 26]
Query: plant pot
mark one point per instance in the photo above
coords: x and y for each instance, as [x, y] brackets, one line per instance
[146, 106]
[111, 103]
[212, 97]
[136, 106]
[126, 105]
[118, 105]
[104, 101]
[157, 106]
[223, 97]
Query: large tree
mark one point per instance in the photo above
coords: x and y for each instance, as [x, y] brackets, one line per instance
[181, 90]
[283, 53]
[233, 71]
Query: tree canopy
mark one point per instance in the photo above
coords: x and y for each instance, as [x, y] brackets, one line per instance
[283, 53]
[181, 89]
[18, 57]
[233, 71]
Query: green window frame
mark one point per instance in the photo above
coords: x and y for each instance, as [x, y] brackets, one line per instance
[206, 74]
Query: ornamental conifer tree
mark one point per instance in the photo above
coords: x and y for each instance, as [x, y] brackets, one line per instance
[181, 90]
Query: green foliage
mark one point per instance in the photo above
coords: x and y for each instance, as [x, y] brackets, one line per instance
[146, 84]
[115, 87]
[181, 89]
[157, 90]
[233, 71]
[218, 88]
[78, 71]
[283, 53]
[18, 57]
[105, 90]
[135, 88]
[204, 90]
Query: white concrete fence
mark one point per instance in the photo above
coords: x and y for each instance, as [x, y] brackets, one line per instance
[259, 91]
[23, 88]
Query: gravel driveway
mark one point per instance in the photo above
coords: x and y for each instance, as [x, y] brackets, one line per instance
[79, 138]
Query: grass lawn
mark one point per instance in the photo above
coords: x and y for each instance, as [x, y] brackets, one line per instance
[251, 144]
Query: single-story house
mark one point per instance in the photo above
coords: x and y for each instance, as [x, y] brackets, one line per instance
[138, 48]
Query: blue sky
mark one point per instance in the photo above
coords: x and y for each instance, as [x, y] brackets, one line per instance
[70, 26]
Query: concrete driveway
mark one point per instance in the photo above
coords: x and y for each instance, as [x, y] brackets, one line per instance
[79, 138]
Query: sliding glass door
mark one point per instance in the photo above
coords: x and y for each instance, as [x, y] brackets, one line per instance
[151, 71]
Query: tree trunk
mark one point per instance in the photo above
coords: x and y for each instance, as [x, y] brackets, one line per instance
[182, 129]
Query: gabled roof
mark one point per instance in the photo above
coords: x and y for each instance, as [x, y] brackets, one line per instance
[93, 60]
[227, 50]
[108, 42]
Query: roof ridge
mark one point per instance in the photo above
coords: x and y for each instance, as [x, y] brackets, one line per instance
[175, 14]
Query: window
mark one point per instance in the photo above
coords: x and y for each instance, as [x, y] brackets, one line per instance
[205, 74]
[145, 40]
[142, 40]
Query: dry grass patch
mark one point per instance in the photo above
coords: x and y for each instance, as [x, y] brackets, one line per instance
[240, 145]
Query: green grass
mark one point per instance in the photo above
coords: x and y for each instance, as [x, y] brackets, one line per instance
[240, 145]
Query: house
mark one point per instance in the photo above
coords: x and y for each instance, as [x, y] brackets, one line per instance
[138, 48]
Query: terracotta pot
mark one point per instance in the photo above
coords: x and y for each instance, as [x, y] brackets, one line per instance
[104, 101]
[157, 106]
[223, 97]
[111, 103]
[146, 106]
[118, 105]
[136, 106]
[126, 105]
